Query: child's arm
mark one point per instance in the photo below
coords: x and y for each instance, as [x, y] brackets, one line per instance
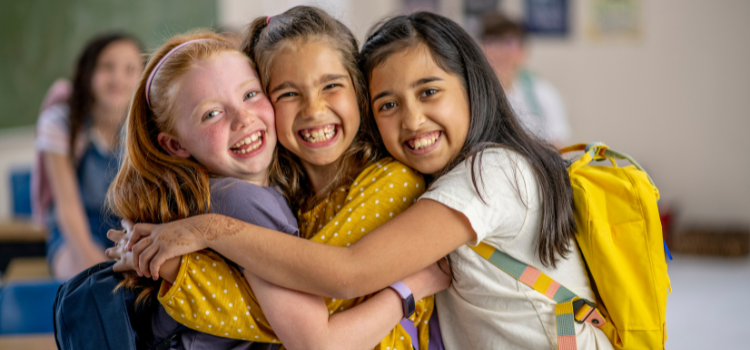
[171, 267]
[361, 327]
[380, 258]
[70, 214]
[212, 297]
[193, 281]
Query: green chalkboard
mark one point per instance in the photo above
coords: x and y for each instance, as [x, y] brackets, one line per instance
[40, 40]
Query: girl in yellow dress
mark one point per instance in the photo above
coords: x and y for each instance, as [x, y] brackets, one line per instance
[307, 61]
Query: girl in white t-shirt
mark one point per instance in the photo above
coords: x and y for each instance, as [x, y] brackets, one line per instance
[439, 109]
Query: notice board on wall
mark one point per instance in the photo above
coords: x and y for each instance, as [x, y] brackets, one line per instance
[547, 17]
[41, 40]
[615, 20]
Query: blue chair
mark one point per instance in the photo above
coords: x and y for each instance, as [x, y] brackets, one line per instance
[26, 307]
[20, 185]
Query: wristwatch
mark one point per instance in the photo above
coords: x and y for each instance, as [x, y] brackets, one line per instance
[407, 299]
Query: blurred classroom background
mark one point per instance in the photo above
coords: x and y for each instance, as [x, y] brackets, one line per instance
[664, 81]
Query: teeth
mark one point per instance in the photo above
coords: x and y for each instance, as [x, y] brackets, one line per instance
[319, 135]
[424, 142]
[247, 141]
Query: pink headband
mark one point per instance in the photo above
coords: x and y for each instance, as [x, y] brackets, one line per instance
[161, 61]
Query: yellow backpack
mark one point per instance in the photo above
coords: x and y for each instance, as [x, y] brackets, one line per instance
[620, 237]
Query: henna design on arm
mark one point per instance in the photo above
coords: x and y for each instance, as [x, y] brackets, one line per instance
[180, 238]
[218, 225]
[231, 226]
[203, 227]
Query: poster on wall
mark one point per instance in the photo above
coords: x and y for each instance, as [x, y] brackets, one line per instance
[547, 17]
[615, 20]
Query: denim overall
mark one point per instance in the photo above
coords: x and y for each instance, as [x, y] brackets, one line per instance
[95, 172]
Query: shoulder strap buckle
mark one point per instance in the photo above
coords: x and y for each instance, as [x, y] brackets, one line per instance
[585, 311]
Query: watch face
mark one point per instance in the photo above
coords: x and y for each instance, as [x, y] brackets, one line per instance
[409, 306]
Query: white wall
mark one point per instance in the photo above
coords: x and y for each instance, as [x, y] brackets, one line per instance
[676, 100]
[357, 14]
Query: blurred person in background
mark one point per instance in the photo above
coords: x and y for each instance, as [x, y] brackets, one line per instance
[77, 146]
[536, 102]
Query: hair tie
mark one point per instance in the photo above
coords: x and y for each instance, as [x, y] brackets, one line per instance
[268, 19]
[161, 61]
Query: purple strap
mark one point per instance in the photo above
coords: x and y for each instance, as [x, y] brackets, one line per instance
[412, 331]
[402, 289]
[408, 325]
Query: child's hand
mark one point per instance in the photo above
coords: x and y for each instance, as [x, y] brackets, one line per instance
[124, 258]
[158, 243]
[430, 280]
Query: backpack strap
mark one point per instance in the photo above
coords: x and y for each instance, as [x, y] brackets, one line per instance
[166, 343]
[570, 308]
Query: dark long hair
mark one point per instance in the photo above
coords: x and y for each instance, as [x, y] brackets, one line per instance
[82, 98]
[492, 122]
[266, 37]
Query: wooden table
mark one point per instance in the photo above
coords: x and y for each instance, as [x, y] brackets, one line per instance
[20, 239]
[21, 231]
[28, 342]
[26, 269]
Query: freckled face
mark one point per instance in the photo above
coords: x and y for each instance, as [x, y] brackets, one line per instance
[224, 120]
[421, 110]
[317, 115]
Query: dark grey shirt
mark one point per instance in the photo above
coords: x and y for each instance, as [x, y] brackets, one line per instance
[261, 206]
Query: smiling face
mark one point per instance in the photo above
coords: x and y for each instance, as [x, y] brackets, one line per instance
[223, 119]
[317, 116]
[118, 68]
[421, 110]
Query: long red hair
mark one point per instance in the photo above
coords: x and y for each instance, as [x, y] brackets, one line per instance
[153, 186]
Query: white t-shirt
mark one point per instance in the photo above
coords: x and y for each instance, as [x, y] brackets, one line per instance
[486, 308]
[543, 114]
[53, 133]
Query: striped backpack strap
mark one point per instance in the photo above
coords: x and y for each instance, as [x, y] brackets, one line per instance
[570, 308]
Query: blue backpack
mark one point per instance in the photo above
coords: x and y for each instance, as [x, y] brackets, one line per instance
[88, 314]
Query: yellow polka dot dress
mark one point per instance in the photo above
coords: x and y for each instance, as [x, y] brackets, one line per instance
[212, 296]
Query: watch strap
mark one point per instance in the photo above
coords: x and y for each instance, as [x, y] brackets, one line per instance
[409, 306]
[401, 289]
